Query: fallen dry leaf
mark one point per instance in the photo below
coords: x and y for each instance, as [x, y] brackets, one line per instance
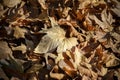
[55, 38]
[60, 39]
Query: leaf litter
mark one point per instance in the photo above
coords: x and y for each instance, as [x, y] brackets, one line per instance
[59, 39]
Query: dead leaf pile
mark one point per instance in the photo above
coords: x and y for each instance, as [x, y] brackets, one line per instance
[59, 39]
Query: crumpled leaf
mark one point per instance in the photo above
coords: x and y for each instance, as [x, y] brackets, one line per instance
[106, 22]
[70, 61]
[112, 61]
[67, 68]
[51, 40]
[84, 71]
[55, 38]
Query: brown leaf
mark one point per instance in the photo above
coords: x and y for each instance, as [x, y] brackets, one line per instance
[5, 51]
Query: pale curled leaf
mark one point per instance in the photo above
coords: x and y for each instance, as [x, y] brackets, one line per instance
[67, 44]
[49, 42]
[84, 71]
[59, 58]
[112, 61]
[53, 22]
[63, 65]
[107, 20]
[99, 35]
[22, 48]
[19, 32]
[75, 59]
[78, 58]
[55, 38]
[42, 3]
[58, 76]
